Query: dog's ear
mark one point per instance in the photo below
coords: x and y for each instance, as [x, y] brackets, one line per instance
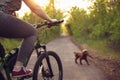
[84, 50]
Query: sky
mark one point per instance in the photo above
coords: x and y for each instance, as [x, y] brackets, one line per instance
[61, 4]
[66, 4]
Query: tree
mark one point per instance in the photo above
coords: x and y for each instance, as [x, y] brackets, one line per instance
[52, 11]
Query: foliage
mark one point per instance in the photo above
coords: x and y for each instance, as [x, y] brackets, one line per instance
[103, 22]
[52, 11]
[76, 20]
[9, 44]
[31, 18]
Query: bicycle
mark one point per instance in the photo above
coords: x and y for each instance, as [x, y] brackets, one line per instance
[43, 68]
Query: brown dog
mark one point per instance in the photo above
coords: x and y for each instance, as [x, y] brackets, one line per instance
[82, 55]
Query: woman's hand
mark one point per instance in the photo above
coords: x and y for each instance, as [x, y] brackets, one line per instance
[53, 20]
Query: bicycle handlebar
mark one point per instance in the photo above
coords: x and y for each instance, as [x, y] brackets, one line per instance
[48, 24]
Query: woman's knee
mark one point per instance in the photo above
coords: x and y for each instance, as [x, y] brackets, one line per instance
[32, 31]
[35, 32]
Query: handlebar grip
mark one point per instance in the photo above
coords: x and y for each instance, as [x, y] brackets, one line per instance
[49, 24]
[55, 23]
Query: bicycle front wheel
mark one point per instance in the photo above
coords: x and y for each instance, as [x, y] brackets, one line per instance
[48, 67]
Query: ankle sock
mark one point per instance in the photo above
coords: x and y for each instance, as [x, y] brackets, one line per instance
[17, 68]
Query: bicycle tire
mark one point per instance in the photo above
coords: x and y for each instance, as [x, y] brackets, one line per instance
[1, 76]
[40, 67]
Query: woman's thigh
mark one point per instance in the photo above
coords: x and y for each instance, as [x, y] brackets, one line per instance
[12, 27]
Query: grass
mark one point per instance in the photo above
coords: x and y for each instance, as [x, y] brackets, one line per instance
[100, 46]
[9, 44]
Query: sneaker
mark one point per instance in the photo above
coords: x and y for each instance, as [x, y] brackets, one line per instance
[23, 72]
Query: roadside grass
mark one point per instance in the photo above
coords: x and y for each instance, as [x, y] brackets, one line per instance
[100, 46]
[9, 44]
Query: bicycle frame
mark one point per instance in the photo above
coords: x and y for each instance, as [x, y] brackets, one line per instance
[4, 67]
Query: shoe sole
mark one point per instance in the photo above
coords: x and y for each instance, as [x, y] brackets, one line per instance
[21, 75]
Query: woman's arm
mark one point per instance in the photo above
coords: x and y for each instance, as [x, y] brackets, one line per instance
[35, 8]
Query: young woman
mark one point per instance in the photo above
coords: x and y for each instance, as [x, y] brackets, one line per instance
[12, 27]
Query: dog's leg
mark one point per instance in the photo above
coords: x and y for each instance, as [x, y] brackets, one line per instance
[81, 61]
[76, 60]
[87, 61]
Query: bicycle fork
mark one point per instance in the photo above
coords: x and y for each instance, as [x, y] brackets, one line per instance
[49, 67]
[49, 72]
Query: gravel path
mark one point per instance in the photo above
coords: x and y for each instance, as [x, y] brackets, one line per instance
[65, 48]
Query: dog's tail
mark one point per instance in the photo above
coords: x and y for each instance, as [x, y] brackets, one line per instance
[90, 56]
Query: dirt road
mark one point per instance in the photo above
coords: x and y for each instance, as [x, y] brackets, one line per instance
[65, 48]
